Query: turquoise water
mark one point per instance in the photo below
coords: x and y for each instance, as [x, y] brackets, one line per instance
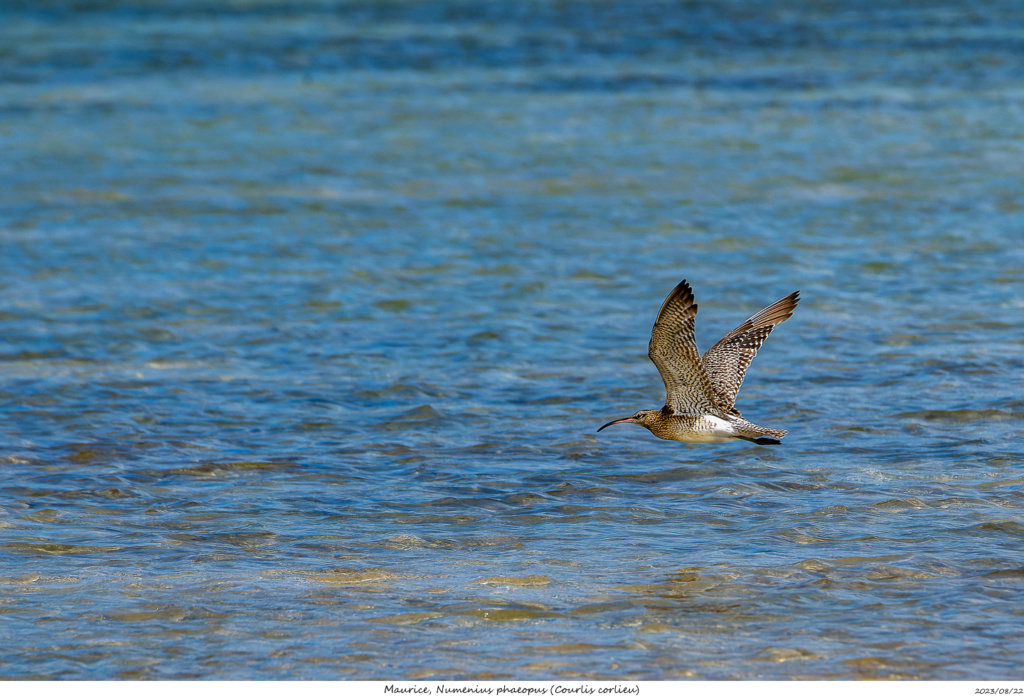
[311, 311]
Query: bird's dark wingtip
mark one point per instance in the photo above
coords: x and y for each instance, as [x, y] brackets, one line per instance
[681, 294]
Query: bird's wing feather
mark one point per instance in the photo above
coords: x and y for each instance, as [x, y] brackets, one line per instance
[673, 350]
[726, 363]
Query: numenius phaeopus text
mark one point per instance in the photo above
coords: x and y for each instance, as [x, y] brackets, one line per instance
[700, 391]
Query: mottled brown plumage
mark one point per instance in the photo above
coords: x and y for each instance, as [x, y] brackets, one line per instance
[700, 392]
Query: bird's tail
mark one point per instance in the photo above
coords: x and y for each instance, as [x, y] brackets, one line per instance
[759, 435]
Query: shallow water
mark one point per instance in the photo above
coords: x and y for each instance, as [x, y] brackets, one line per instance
[311, 311]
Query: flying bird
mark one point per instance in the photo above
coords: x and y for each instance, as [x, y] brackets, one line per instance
[700, 391]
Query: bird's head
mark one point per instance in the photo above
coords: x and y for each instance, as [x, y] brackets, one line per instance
[644, 418]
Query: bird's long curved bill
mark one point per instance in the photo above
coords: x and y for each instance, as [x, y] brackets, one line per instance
[618, 421]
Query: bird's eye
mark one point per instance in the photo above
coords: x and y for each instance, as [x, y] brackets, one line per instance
[638, 415]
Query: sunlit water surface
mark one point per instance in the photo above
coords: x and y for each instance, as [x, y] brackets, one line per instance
[311, 311]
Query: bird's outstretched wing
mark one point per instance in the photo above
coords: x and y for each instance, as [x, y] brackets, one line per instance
[725, 364]
[674, 351]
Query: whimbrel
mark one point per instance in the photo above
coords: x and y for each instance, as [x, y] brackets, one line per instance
[700, 391]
